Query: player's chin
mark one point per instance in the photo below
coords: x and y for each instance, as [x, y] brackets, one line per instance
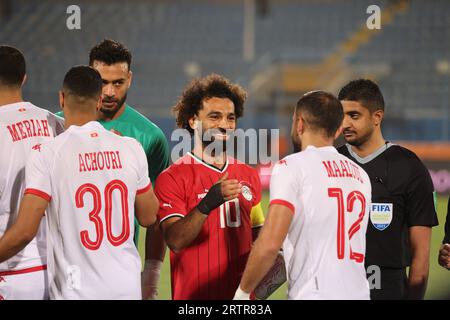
[351, 139]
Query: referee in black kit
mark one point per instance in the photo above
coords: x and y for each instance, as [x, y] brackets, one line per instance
[402, 210]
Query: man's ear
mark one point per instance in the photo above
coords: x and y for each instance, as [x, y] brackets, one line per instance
[193, 122]
[300, 125]
[61, 100]
[99, 103]
[24, 79]
[378, 117]
[130, 78]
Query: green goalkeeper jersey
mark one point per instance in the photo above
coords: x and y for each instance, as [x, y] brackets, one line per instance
[133, 124]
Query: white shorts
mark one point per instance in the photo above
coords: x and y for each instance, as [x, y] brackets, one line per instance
[27, 284]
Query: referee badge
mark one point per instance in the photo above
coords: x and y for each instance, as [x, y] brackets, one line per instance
[247, 193]
[381, 215]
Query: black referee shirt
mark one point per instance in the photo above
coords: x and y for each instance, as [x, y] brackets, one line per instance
[402, 197]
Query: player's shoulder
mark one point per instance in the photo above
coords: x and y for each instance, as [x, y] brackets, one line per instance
[180, 170]
[406, 158]
[241, 166]
[129, 143]
[53, 119]
[403, 153]
[343, 149]
[181, 166]
[141, 121]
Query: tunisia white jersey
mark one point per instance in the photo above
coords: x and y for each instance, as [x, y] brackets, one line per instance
[324, 250]
[91, 177]
[23, 127]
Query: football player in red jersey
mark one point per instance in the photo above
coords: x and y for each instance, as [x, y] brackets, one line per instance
[210, 209]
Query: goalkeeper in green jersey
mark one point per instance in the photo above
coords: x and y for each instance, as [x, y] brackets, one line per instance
[113, 61]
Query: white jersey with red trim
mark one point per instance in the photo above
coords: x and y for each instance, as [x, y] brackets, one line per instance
[91, 177]
[324, 250]
[23, 126]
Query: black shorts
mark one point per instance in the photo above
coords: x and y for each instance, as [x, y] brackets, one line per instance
[393, 285]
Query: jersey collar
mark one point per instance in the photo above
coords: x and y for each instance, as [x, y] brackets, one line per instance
[91, 125]
[200, 161]
[328, 148]
[370, 157]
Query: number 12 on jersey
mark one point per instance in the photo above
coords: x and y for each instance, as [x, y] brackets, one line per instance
[342, 210]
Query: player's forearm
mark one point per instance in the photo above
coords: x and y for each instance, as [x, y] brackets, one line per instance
[155, 246]
[420, 238]
[418, 278]
[13, 241]
[260, 261]
[184, 231]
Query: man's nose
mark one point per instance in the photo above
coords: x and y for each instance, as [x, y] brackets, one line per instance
[108, 90]
[346, 123]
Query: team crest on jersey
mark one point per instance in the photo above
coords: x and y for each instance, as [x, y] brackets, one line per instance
[247, 193]
[381, 215]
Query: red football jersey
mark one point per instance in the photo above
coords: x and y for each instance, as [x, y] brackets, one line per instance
[212, 266]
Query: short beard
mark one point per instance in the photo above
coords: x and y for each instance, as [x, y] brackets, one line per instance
[359, 141]
[112, 112]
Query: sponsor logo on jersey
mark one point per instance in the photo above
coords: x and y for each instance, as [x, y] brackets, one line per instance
[37, 147]
[94, 135]
[381, 215]
[167, 205]
[247, 193]
[22, 110]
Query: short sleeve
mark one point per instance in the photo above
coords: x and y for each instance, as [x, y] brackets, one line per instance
[144, 183]
[37, 173]
[420, 199]
[171, 197]
[284, 185]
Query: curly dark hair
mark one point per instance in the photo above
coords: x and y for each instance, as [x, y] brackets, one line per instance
[199, 90]
[109, 52]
